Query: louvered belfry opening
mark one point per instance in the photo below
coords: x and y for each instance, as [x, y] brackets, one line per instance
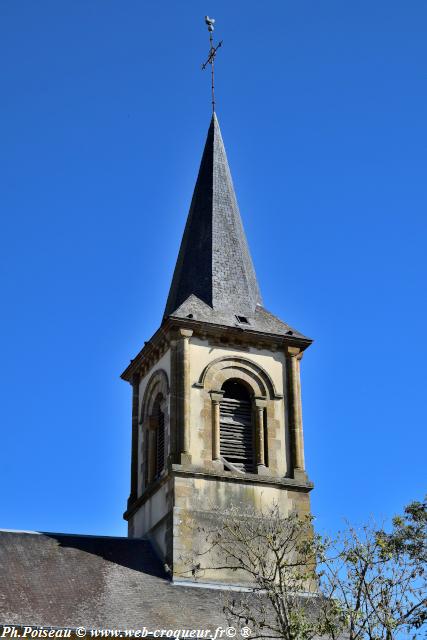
[159, 439]
[236, 426]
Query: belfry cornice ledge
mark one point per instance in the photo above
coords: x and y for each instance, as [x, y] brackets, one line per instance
[304, 486]
[233, 334]
[244, 335]
[246, 478]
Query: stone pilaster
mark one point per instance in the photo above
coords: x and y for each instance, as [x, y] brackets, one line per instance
[183, 346]
[134, 450]
[174, 420]
[293, 359]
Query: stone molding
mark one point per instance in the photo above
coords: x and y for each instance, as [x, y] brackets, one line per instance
[303, 485]
[158, 383]
[159, 342]
[221, 369]
[247, 478]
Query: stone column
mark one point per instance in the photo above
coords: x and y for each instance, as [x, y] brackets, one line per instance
[294, 356]
[216, 397]
[184, 348]
[260, 405]
[134, 450]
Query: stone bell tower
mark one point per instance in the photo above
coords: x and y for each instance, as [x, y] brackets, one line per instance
[216, 411]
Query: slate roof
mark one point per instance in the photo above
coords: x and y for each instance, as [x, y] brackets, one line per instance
[62, 580]
[259, 319]
[214, 279]
[214, 262]
[97, 582]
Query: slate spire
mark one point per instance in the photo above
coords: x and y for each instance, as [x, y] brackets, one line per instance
[214, 265]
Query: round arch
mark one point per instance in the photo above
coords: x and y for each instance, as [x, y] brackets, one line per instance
[222, 369]
[158, 384]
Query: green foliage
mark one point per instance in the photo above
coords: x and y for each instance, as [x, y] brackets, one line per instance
[367, 584]
[378, 577]
[409, 533]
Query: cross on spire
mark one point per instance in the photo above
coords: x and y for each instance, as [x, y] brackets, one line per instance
[211, 57]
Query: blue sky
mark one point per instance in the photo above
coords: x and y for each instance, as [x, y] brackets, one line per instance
[103, 118]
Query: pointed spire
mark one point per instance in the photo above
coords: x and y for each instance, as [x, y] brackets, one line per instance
[214, 264]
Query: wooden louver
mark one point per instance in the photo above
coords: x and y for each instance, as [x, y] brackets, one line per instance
[236, 433]
[160, 443]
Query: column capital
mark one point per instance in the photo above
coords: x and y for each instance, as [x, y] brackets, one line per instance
[178, 334]
[216, 396]
[293, 352]
[260, 402]
[185, 333]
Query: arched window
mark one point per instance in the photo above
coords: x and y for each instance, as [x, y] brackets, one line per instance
[236, 426]
[159, 439]
[155, 443]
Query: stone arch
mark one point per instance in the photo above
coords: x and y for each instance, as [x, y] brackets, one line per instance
[155, 422]
[218, 371]
[158, 384]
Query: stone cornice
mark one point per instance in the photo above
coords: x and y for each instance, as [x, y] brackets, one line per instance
[151, 350]
[231, 336]
[133, 505]
[247, 478]
[303, 486]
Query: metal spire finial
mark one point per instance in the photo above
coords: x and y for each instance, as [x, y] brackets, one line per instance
[211, 57]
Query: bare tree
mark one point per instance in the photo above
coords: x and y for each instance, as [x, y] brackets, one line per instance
[367, 584]
[275, 557]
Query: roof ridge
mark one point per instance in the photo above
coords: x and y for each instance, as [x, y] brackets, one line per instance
[73, 535]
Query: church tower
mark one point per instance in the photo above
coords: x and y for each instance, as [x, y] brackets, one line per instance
[216, 411]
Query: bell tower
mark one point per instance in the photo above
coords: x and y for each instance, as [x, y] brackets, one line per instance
[216, 410]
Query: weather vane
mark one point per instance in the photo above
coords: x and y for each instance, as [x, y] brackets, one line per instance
[211, 57]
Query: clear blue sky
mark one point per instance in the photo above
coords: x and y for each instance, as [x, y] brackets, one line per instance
[103, 117]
